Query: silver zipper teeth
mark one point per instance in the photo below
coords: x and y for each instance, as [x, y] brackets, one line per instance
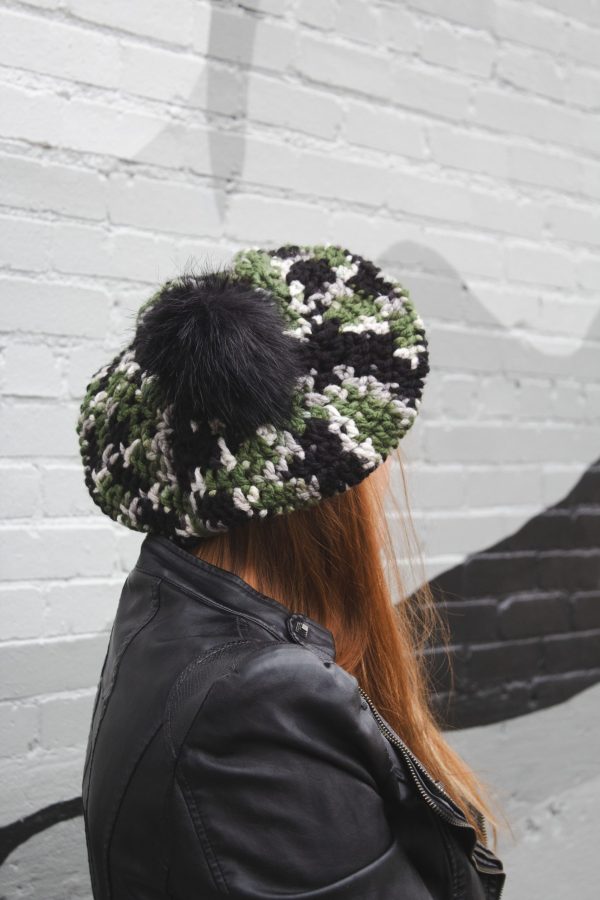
[412, 762]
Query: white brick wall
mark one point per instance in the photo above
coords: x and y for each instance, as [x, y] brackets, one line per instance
[456, 143]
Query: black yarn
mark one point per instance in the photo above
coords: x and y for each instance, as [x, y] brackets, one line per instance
[218, 349]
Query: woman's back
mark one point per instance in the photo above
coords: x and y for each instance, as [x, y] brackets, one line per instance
[230, 755]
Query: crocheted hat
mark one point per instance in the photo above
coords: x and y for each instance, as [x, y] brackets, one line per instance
[252, 391]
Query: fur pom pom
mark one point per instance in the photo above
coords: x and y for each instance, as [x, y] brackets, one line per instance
[218, 349]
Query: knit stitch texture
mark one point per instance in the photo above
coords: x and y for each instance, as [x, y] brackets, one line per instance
[364, 360]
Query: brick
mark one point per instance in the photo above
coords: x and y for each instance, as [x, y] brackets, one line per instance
[514, 484]
[82, 364]
[586, 490]
[252, 219]
[19, 490]
[30, 115]
[21, 611]
[350, 68]
[19, 727]
[532, 615]
[322, 175]
[434, 93]
[446, 670]
[460, 529]
[272, 7]
[128, 548]
[57, 552]
[540, 265]
[163, 205]
[53, 308]
[31, 370]
[470, 254]
[588, 273]
[142, 17]
[582, 43]
[582, 87]
[502, 663]
[127, 306]
[578, 652]
[492, 575]
[586, 610]
[56, 48]
[442, 200]
[65, 721]
[244, 39]
[548, 690]
[568, 570]
[384, 130]
[433, 488]
[292, 106]
[474, 621]
[25, 243]
[358, 22]
[586, 528]
[81, 124]
[32, 184]
[483, 707]
[469, 151]
[544, 167]
[172, 76]
[569, 402]
[48, 778]
[534, 72]
[531, 26]
[584, 10]
[469, 53]
[550, 530]
[45, 4]
[23, 425]
[84, 606]
[33, 668]
[399, 28]
[570, 223]
[316, 13]
[557, 481]
[63, 491]
[474, 13]
[522, 114]
[88, 251]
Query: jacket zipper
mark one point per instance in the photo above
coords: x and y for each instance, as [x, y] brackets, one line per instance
[414, 763]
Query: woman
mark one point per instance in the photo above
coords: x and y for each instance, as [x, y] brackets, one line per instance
[262, 726]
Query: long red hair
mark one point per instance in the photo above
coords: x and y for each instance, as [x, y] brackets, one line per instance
[329, 562]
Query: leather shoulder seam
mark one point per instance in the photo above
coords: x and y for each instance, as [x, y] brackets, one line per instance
[175, 693]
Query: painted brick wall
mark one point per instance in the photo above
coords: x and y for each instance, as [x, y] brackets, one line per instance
[457, 144]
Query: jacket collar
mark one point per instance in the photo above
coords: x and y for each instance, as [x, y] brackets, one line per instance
[163, 558]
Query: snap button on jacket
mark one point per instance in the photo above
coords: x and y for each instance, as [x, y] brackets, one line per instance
[229, 756]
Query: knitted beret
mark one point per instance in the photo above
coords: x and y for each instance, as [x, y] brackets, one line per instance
[253, 390]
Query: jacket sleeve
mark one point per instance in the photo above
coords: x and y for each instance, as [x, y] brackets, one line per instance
[283, 779]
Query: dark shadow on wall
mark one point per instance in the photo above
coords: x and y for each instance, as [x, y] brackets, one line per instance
[16, 833]
[524, 615]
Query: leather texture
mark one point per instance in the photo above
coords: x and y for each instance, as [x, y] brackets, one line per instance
[229, 756]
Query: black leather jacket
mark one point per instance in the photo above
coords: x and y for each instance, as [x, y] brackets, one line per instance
[230, 756]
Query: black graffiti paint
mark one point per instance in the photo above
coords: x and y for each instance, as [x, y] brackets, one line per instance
[16, 833]
[524, 615]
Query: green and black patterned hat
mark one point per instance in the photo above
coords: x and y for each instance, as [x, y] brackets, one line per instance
[253, 390]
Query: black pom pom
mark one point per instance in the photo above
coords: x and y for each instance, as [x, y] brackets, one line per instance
[218, 349]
